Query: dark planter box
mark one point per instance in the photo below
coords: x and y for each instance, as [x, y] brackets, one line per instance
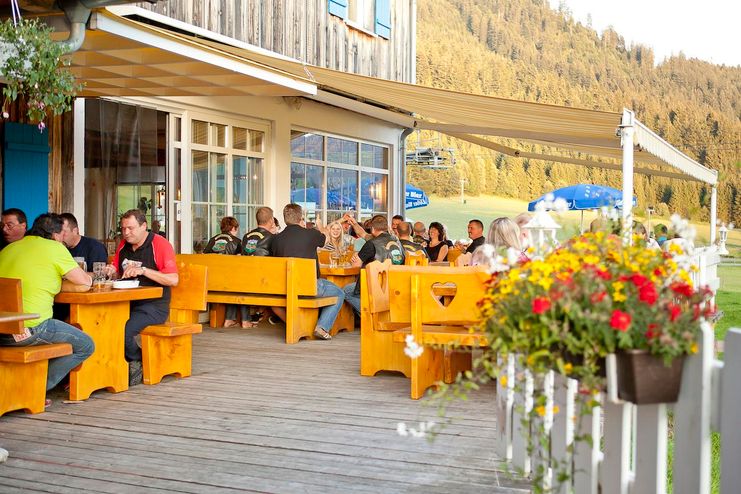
[644, 379]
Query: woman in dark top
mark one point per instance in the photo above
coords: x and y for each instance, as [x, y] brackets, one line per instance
[228, 243]
[437, 247]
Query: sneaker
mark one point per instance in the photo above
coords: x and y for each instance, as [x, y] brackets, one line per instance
[273, 319]
[136, 373]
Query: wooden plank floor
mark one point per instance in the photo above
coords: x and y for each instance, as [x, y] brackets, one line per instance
[256, 416]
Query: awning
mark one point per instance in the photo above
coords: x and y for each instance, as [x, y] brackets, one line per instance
[126, 57]
[122, 57]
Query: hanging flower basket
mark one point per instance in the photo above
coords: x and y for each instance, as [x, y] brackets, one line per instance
[31, 64]
[645, 379]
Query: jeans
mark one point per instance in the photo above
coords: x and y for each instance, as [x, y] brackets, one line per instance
[328, 314]
[231, 312]
[142, 315]
[351, 298]
[54, 331]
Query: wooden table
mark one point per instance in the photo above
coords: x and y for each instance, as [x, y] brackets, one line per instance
[103, 316]
[341, 276]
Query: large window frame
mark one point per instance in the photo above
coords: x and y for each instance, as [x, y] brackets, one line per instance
[220, 146]
[369, 167]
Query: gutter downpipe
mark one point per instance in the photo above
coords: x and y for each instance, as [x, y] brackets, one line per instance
[713, 213]
[626, 133]
[403, 168]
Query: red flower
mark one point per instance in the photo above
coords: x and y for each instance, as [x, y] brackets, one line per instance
[540, 305]
[681, 289]
[647, 293]
[620, 320]
[604, 274]
[651, 331]
[658, 272]
[638, 280]
[597, 297]
[674, 311]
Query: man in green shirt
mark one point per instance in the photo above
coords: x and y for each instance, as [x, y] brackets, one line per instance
[41, 262]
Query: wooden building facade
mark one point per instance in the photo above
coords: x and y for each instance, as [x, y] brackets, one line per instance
[368, 37]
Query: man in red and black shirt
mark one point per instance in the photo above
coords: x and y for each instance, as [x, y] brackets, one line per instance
[149, 258]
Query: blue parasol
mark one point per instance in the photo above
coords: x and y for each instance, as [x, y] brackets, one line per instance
[415, 197]
[585, 196]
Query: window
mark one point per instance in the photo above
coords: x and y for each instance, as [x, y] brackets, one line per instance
[227, 177]
[353, 177]
[362, 13]
[373, 16]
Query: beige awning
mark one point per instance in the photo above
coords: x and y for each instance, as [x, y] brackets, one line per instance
[122, 57]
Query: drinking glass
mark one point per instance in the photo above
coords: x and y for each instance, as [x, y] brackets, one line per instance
[81, 262]
[99, 271]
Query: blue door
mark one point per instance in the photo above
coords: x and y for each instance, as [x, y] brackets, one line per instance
[26, 169]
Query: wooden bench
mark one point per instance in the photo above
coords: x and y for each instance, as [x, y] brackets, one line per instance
[264, 281]
[168, 348]
[23, 370]
[439, 304]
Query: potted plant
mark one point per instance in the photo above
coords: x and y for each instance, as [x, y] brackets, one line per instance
[597, 295]
[32, 67]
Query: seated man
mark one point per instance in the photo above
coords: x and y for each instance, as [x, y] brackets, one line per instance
[148, 257]
[79, 245]
[257, 242]
[297, 241]
[420, 234]
[382, 246]
[14, 226]
[476, 234]
[404, 231]
[41, 262]
[395, 221]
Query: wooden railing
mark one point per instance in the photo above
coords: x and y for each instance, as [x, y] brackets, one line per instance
[628, 448]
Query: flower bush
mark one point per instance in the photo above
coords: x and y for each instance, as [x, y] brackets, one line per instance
[593, 296]
[31, 63]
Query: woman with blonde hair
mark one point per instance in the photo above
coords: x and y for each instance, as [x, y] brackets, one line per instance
[503, 234]
[335, 237]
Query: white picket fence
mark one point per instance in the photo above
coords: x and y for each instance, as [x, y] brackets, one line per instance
[628, 451]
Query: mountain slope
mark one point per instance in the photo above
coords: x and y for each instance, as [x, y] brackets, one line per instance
[525, 50]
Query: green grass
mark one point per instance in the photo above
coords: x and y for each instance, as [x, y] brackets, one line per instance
[728, 299]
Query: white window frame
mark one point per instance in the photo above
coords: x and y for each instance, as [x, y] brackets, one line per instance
[325, 163]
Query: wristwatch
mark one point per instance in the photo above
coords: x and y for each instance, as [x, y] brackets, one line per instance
[144, 270]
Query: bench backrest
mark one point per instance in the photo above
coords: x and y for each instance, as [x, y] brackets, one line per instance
[400, 287]
[190, 292]
[11, 300]
[376, 275]
[417, 258]
[429, 307]
[256, 274]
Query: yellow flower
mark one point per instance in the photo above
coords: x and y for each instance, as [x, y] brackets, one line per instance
[556, 409]
[591, 259]
[618, 286]
[540, 410]
[675, 249]
[694, 348]
[503, 381]
[567, 368]
[618, 297]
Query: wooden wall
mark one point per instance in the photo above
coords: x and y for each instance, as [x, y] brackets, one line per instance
[303, 29]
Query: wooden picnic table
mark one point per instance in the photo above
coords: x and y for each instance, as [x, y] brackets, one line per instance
[341, 276]
[102, 315]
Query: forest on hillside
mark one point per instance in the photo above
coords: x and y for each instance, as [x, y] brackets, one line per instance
[525, 50]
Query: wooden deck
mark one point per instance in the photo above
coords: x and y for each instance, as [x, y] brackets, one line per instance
[256, 416]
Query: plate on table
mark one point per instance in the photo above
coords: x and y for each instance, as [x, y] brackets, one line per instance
[125, 284]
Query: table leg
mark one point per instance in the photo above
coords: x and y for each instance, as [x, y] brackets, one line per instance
[106, 367]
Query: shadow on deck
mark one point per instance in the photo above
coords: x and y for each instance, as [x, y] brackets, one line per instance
[256, 416]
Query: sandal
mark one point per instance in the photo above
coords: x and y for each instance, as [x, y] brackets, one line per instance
[229, 323]
[248, 324]
[321, 334]
[47, 403]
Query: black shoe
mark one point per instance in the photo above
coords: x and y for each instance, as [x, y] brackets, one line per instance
[274, 320]
[136, 373]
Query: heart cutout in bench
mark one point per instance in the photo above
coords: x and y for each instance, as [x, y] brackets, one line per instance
[444, 293]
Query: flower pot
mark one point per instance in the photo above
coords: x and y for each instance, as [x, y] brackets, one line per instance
[644, 379]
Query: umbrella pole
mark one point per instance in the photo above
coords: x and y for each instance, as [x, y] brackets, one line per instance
[581, 225]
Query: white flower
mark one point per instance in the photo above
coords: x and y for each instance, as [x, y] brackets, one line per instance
[401, 429]
[412, 349]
